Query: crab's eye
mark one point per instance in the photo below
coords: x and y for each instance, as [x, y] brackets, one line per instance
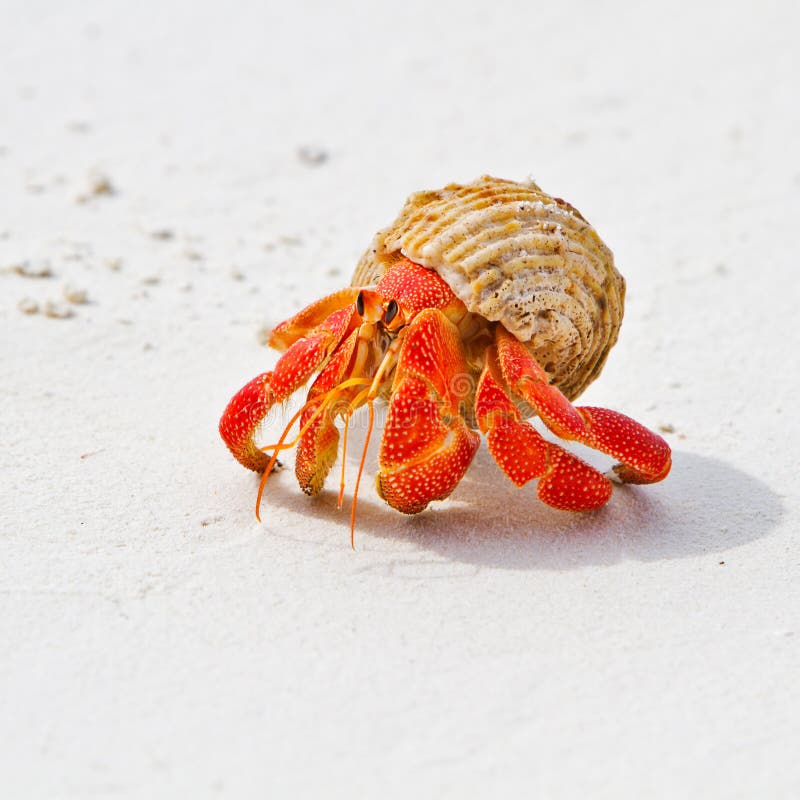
[391, 311]
[360, 304]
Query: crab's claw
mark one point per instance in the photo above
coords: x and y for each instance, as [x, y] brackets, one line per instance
[426, 446]
[311, 336]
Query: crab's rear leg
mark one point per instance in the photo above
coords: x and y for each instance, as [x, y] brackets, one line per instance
[644, 456]
[426, 446]
[311, 344]
[523, 453]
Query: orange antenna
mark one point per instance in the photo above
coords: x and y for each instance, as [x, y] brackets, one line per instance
[325, 402]
[354, 404]
[263, 483]
[358, 478]
[344, 458]
[389, 360]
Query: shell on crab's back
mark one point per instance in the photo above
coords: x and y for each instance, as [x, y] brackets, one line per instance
[515, 255]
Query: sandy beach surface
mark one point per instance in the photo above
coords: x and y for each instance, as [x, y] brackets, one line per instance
[176, 178]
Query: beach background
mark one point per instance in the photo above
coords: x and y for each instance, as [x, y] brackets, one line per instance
[176, 177]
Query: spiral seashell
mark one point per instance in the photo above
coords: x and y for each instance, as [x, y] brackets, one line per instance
[515, 255]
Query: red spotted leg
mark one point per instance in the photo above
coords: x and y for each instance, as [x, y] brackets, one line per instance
[644, 456]
[310, 336]
[523, 453]
[426, 446]
[319, 441]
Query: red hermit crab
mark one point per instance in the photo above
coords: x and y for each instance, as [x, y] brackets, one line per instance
[480, 306]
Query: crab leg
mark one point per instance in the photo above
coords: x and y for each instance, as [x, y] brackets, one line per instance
[286, 333]
[426, 446]
[524, 454]
[645, 457]
[310, 345]
[318, 445]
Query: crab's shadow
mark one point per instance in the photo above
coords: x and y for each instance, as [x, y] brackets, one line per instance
[704, 507]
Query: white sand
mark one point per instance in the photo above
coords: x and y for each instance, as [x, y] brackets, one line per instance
[155, 641]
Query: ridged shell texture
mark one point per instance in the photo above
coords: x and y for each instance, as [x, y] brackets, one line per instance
[515, 255]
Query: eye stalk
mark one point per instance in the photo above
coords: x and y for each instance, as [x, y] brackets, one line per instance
[391, 312]
[369, 306]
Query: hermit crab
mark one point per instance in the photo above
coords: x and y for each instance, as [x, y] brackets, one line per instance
[481, 306]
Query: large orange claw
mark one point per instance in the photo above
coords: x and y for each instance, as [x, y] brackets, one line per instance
[426, 446]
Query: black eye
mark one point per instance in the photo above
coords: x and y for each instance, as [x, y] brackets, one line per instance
[391, 311]
[360, 304]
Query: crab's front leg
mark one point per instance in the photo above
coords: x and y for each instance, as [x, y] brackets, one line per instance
[426, 446]
[311, 337]
[644, 456]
